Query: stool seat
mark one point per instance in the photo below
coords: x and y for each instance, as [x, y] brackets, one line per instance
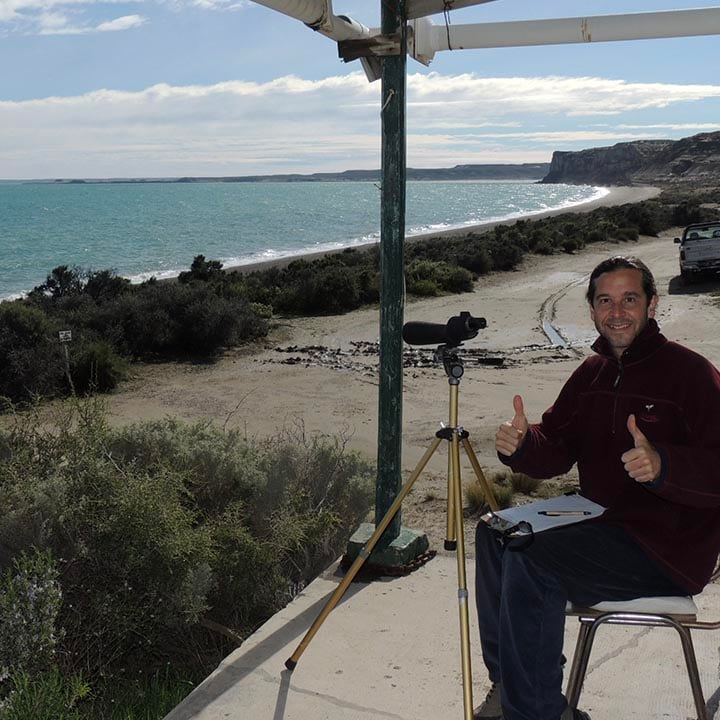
[666, 605]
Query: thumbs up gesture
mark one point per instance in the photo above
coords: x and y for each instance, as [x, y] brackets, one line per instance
[510, 434]
[642, 462]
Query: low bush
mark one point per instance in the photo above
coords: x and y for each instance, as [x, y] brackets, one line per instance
[156, 543]
[96, 367]
[47, 696]
[524, 484]
[626, 234]
[31, 360]
[477, 501]
[30, 600]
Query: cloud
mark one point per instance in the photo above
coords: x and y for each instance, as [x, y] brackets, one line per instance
[122, 23]
[219, 4]
[58, 24]
[52, 17]
[291, 124]
[574, 97]
[41, 16]
[690, 127]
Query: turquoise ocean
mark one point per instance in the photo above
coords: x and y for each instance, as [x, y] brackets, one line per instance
[141, 230]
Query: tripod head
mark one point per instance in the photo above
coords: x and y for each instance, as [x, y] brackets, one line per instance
[447, 337]
[451, 361]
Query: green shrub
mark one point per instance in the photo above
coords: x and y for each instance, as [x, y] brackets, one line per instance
[62, 281]
[505, 255]
[97, 367]
[524, 484]
[325, 290]
[201, 270]
[30, 599]
[220, 467]
[477, 502]
[503, 496]
[572, 244]
[423, 288]
[316, 492]
[544, 247]
[104, 285]
[643, 217]
[265, 312]
[31, 360]
[595, 235]
[138, 698]
[49, 696]
[626, 234]
[429, 277]
[475, 258]
[174, 319]
[166, 530]
[458, 280]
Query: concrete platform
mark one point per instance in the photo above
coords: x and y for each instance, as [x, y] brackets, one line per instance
[391, 651]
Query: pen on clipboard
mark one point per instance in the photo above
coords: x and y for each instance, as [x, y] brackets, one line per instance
[563, 513]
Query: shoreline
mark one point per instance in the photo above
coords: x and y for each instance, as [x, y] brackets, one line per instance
[617, 195]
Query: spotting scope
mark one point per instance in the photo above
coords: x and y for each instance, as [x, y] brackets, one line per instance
[457, 329]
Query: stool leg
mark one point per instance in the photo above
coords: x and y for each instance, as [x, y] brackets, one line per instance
[579, 663]
[693, 674]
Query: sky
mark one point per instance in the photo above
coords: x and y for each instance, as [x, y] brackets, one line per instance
[172, 88]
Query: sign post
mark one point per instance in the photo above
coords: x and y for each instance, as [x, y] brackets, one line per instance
[65, 337]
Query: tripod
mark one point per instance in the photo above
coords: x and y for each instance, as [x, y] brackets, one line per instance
[454, 539]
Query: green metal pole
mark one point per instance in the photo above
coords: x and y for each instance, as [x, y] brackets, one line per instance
[392, 237]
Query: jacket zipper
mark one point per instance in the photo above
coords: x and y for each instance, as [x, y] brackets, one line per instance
[616, 387]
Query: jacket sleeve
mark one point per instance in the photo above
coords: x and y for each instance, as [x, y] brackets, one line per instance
[550, 447]
[690, 472]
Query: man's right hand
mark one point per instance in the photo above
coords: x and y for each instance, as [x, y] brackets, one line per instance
[510, 435]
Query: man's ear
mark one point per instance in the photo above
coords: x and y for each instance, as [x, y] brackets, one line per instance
[652, 306]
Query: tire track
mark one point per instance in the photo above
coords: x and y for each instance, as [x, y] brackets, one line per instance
[548, 310]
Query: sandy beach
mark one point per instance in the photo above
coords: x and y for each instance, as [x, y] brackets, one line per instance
[319, 374]
[615, 196]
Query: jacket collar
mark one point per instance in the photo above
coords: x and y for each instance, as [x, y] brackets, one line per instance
[646, 343]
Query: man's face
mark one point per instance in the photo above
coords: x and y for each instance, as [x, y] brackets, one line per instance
[620, 309]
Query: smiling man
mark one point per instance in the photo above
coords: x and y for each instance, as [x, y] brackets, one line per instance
[621, 303]
[641, 419]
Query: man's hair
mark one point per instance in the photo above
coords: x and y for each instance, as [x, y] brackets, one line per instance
[622, 262]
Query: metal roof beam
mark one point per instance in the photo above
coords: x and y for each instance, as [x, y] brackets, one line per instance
[428, 38]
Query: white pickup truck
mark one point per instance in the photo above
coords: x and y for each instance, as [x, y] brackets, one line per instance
[699, 250]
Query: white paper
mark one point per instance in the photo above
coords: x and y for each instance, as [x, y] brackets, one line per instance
[546, 514]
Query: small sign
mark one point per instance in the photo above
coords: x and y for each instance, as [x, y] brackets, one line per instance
[65, 335]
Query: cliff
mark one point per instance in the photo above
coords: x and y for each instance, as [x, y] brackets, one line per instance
[694, 161]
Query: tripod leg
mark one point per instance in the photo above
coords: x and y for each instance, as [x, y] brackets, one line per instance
[462, 582]
[484, 484]
[450, 536]
[363, 555]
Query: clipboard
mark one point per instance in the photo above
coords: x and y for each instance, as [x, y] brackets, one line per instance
[543, 515]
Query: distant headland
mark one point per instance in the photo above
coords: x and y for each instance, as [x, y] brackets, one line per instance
[509, 172]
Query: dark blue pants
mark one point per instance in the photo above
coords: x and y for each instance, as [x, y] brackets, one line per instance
[521, 598]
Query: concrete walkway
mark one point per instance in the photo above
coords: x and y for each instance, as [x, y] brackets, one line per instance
[390, 650]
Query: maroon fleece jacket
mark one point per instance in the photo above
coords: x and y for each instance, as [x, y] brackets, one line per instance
[674, 394]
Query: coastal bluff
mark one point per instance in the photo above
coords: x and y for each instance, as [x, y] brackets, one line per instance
[693, 161]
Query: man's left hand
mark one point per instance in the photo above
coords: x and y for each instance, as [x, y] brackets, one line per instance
[642, 463]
